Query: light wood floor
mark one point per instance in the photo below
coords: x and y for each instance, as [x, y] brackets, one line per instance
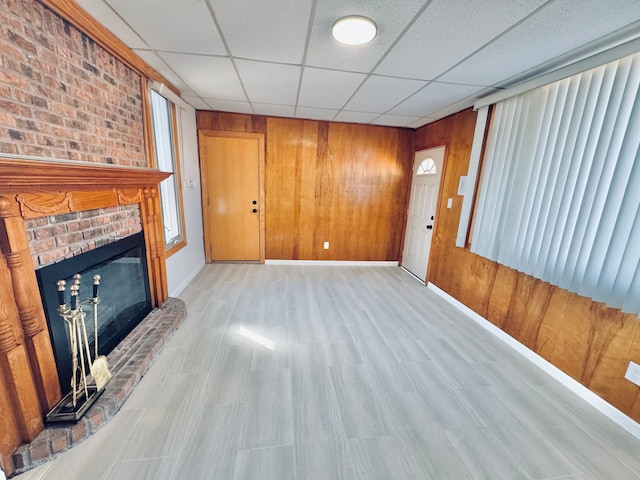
[372, 377]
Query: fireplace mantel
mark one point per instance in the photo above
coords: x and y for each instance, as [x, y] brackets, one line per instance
[30, 188]
[28, 174]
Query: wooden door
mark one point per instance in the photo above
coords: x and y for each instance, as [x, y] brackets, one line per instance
[427, 171]
[232, 166]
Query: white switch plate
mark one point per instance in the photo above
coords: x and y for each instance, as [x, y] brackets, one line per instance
[633, 373]
[326, 245]
[449, 202]
[462, 185]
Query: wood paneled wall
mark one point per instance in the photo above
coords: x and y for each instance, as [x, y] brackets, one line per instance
[588, 341]
[325, 181]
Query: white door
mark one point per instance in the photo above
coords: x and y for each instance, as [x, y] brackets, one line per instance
[427, 170]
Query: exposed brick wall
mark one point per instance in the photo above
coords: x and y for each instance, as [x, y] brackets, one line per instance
[61, 94]
[63, 236]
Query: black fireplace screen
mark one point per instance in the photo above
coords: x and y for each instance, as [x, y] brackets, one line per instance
[124, 295]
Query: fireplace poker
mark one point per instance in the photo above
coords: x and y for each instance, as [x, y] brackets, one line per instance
[73, 321]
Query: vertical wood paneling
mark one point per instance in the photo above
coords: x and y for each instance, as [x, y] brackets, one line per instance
[588, 341]
[325, 181]
[230, 122]
[287, 141]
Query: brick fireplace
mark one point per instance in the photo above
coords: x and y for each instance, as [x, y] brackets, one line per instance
[32, 189]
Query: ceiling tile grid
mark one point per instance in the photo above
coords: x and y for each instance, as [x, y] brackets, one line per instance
[448, 31]
[316, 113]
[394, 120]
[227, 106]
[355, 117]
[391, 17]
[185, 26]
[556, 29]
[433, 97]
[269, 82]
[110, 19]
[379, 94]
[212, 77]
[271, 31]
[430, 58]
[322, 88]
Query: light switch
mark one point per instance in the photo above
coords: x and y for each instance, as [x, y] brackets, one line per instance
[449, 202]
[462, 185]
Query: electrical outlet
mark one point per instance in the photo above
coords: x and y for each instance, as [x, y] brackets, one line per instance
[326, 245]
[633, 373]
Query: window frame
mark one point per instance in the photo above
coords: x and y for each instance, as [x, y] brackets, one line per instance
[179, 241]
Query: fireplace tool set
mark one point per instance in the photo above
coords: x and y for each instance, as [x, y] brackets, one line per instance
[82, 394]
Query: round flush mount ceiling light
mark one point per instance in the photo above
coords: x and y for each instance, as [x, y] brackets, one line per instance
[354, 30]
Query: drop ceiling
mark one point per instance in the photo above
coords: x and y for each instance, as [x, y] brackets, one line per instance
[430, 58]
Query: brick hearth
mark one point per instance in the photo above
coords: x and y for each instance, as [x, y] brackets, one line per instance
[128, 362]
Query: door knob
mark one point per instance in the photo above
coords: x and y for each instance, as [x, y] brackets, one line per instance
[254, 210]
[429, 227]
[255, 202]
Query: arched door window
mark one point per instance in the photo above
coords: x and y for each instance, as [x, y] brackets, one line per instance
[427, 167]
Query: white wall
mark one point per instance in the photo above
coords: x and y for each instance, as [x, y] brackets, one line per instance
[187, 262]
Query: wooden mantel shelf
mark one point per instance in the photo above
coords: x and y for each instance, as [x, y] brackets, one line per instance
[35, 176]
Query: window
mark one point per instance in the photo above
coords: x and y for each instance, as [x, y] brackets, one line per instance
[560, 193]
[166, 154]
[427, 167]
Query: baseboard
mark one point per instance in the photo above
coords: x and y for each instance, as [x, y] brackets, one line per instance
[187, 280]
[333, 263]
[623, 420]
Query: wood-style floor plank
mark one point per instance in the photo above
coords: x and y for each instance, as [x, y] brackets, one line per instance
[372, 377]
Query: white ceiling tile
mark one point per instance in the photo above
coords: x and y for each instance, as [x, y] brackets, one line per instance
[196, 102]
[315, 113]
[391, 16]
[274, 31]
[184, 26]
[434, 97]
[557, 29]
[455, 107]
[209, 77]
[269, 82]
[158, 64]
[422, 122]
[379, 94]
[448, 31]
[356, 117]
[394, 120]
[273, 110]
[112, 22]
[327, 88]
[229, 106]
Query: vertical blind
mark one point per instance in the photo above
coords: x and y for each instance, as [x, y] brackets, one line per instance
[560, 192]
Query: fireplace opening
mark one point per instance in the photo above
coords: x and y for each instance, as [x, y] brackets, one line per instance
[125, 298]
